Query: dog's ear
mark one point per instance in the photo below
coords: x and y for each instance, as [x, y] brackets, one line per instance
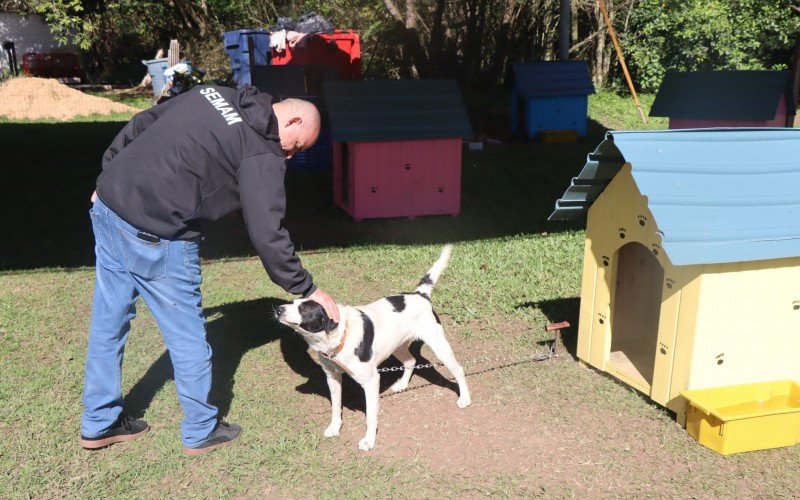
[330, 325]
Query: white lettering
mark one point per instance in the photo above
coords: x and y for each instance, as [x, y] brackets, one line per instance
[219, 102]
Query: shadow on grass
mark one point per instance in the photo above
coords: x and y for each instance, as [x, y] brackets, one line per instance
[557, 310]
[236, 329]
[353, 395]
[241, 326]
[50, 170]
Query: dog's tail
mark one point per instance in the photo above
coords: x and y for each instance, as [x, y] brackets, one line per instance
[425, 286]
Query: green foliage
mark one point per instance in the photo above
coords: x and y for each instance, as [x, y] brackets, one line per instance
[66, 18]
[473, 41]
[692, 35]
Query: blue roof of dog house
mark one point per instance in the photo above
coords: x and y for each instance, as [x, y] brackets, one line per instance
[552, 78]
[725, 95]
[717, 195]
[392, 110]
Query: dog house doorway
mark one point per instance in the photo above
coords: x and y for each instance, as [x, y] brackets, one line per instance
[522, 117]
[635, 313]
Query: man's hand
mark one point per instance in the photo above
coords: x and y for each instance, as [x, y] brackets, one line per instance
[94, 197]
[327, 303]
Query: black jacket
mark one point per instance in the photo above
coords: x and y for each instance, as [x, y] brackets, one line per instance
[202, 155]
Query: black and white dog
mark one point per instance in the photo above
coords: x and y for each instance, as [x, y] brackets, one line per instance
[366, 335]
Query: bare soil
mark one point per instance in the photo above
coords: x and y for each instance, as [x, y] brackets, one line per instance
[33, 98]
[530, 423]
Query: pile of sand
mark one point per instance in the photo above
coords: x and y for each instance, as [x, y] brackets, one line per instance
[37, 98]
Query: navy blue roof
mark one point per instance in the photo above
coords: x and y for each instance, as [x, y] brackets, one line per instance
[552, 78]
[722, 95]
[717, 195]
[393, 110]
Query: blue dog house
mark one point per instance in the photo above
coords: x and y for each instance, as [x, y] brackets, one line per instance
[550, 96]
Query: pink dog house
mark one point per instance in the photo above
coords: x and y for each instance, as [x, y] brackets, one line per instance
[703, 99]
[397, 147]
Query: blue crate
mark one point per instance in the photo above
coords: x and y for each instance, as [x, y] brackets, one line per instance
[317, 158]
[238, 48]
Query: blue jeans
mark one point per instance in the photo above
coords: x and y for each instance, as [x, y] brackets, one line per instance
[167, 276]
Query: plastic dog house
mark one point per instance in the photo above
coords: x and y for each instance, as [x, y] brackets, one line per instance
[397, 146]
[550, 96]
[692, 259]
[725, 99]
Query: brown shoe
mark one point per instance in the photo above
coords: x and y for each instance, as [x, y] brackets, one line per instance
[223, 434]
[124, 429]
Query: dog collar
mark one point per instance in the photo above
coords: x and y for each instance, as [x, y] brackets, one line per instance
[338, 348]
[330, 356]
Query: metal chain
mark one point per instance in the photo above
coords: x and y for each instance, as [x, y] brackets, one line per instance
[510, 360]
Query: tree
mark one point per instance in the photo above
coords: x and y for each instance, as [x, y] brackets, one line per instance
[692, 35]
[474, 41]
[66, 18]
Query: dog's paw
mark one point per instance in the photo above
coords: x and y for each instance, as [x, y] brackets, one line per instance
[399, 386]
[464, 401]
[366, 444]
[333, 430]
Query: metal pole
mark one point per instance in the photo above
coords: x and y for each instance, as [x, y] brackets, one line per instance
[621, 58]
[565, 27]
[8, 45]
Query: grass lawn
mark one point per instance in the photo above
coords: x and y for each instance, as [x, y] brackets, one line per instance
[552, 428]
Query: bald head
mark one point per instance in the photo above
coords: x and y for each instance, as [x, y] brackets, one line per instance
[298, 124]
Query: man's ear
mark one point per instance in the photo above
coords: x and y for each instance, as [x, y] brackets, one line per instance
[296, 119]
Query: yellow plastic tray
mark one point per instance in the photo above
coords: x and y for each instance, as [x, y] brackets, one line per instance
[748, 417]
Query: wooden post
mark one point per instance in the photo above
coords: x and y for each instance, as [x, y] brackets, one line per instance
[173, 56]
[557, 339]
[613, 34]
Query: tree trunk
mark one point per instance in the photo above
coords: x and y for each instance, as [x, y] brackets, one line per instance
[437, 39]
[475, 18]
[574, 19]
[602, 55]
[411, 38]
[545, 40]
[498, 65]
[794, 74]
[194, 17]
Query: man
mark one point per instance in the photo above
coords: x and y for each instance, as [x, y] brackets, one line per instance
[197, 156]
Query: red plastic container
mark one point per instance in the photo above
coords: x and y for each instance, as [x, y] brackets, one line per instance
[341, 50]
[55, 65]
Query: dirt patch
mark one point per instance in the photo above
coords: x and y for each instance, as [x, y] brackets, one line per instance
[534, 424]
[42, 98]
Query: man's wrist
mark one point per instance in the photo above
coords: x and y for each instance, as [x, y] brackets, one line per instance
[310, 291]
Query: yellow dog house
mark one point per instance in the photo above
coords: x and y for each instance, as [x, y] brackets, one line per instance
[691, 275]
